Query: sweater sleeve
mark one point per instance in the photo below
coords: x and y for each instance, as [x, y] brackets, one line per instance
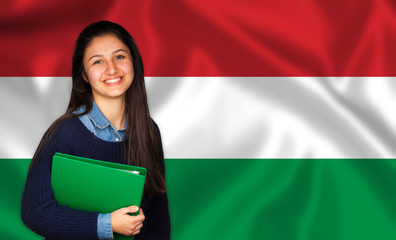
[40, 211]
[157, 220]
[157, 216]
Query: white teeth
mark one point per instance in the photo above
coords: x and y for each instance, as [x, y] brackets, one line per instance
[113, 80]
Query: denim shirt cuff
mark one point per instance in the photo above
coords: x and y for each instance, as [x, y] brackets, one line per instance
[105, 230]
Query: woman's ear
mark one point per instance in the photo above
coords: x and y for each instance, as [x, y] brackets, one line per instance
[84, 76]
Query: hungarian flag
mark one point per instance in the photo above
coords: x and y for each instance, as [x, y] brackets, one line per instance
[277, 117]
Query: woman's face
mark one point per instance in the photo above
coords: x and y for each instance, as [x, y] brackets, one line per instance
[108, 65]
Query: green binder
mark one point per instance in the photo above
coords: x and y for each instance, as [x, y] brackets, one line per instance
[94, 185]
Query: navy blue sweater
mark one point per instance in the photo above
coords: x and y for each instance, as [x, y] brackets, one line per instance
[41, 212]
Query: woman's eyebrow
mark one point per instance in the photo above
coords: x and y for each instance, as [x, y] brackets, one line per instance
[98, 55]
[119, 50]
[101, 55]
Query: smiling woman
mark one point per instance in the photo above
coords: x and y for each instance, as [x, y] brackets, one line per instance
[107, 119]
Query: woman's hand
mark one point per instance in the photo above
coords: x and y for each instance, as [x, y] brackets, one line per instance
[125, 224]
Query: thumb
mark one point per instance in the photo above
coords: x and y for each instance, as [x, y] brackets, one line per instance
[132, 209]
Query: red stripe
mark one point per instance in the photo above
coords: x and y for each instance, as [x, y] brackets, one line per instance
[210, 38]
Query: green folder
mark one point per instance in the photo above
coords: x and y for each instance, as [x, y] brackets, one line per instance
[94, 185]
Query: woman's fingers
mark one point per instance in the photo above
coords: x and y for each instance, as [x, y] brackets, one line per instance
[136, 232]
[131, 209]
[141, 216]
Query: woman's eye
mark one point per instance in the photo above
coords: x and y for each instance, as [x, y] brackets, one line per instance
[97, 62]
[120, 57]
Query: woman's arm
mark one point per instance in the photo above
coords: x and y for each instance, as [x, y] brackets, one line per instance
[157, 221]
[40, 211]
[157, 217]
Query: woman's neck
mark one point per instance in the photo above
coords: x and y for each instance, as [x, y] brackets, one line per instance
[114, 111]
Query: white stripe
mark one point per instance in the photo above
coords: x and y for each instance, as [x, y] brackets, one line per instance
[229, 117]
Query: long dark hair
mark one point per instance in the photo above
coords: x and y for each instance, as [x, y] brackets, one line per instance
[142, 142]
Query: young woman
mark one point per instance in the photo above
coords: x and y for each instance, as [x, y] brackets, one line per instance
[107, 119]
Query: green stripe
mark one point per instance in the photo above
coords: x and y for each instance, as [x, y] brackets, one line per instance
[12, 181]
[256, 198]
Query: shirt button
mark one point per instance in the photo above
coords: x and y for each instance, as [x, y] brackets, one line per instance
[117, 139]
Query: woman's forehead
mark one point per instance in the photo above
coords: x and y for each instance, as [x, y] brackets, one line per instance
[106, 44]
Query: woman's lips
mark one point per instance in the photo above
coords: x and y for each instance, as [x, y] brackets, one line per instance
[114, 81]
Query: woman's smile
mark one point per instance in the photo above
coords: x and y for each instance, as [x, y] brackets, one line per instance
[113, 82]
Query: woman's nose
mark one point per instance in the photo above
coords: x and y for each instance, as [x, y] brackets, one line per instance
[111, 68]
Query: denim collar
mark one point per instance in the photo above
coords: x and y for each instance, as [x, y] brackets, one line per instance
[98, 119]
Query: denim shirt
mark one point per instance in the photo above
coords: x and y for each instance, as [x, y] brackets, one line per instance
[102, 128]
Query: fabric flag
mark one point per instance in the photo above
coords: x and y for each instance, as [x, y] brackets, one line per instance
[277, 117]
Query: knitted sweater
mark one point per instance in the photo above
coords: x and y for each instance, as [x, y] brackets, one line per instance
[41, 212]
